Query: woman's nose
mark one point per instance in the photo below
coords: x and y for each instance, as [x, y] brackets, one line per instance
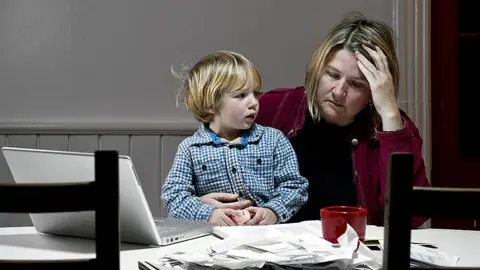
[340, 89]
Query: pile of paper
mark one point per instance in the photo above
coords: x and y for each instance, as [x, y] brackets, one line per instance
[421, 256]
[280, 248]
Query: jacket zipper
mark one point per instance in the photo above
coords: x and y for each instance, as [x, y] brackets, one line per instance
[356, 181]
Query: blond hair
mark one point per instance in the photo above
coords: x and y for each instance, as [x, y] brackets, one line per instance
[354, 31]
[213, 76]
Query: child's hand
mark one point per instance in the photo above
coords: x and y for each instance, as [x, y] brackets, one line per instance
[225, 200]
[261, 216]
[222, 217]
[241, 216]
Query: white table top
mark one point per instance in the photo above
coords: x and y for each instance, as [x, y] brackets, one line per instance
[462, 243]
[25, 243]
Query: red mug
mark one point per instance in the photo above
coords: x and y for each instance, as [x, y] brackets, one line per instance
[335, 219]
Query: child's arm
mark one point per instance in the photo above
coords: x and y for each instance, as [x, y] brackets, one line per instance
[291, 189]
[178, 191]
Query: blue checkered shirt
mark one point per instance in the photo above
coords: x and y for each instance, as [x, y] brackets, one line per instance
[262, 167]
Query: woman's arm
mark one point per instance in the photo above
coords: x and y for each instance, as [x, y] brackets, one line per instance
[398, 133]
[406, 139]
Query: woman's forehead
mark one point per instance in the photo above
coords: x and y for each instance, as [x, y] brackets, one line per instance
[345, 62]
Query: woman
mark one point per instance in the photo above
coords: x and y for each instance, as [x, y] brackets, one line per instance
[345, 121]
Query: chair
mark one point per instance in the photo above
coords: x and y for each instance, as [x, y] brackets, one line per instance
[403, 202]
[101, 196]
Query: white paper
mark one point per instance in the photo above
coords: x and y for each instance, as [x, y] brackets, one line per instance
[429, 256]
[162, 264]
[310, 226]
[276, 245]
[210, 260]
[432, 256]
[349, 239]
[313, 227]
[231, 243]
[300, 245]
[364, 256]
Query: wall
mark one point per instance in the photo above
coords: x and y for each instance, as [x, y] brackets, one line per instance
[110, 60]
[87, 75]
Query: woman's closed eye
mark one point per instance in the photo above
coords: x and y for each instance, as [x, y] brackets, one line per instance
[357, 85]
[333, 75]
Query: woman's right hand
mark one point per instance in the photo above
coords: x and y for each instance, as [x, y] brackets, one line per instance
[225, 200]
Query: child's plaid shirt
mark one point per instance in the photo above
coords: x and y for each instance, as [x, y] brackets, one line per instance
[262, 167]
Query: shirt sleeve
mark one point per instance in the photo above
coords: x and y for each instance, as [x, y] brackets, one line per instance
[178, 191]
[291, 189]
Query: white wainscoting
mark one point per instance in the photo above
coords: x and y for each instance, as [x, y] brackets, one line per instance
[152, 148]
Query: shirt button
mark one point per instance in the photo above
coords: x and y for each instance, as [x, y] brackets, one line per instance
[234, 170]
[355, 173]
[354, 141]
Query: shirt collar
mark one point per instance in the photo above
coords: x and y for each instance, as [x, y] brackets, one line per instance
[217, 140]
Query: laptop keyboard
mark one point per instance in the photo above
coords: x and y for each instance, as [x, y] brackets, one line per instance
[162, 229]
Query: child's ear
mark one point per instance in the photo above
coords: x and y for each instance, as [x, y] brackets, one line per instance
[212, 111]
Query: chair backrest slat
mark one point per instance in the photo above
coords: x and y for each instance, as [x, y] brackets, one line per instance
[397, 216]
[445, 202]
[100, 195]
[59, 265]
[402, 202]
[43, 198]
[107, 224]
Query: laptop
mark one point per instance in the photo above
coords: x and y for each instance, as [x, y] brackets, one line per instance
[137, 224]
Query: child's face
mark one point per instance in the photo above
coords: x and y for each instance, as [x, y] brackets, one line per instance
[238, 110]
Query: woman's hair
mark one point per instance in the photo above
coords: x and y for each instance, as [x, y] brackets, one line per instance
[213, 76]
[354, 31]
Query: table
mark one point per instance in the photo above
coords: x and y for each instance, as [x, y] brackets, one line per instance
[462, 243]
[23, 243]
[26, 243]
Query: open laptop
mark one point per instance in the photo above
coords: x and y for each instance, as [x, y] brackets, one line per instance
[136, 222]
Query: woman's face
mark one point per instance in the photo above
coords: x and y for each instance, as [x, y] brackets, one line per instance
[343, 91]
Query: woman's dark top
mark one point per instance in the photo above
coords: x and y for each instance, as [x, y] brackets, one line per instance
[324, 158]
